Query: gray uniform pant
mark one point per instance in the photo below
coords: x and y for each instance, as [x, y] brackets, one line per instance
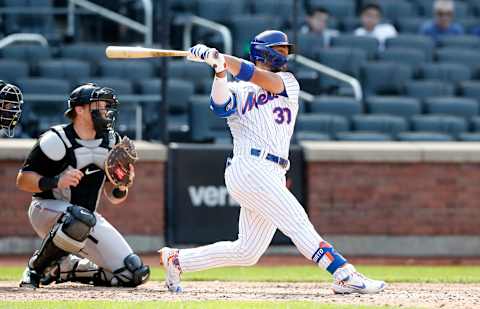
[108, 251]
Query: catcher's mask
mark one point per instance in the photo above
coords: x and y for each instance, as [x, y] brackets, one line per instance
[11, 100]
[103, 118]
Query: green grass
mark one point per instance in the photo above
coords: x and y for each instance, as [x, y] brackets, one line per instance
[431, 274]
[177, 305]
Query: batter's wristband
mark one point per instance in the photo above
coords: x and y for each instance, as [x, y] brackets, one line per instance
[117, 193]
[48, 183]
[246, 71]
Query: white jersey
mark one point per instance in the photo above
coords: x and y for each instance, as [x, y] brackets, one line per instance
[264, 120]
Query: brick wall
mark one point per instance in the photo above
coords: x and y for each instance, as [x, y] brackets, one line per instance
[142, 214]
[353, 198]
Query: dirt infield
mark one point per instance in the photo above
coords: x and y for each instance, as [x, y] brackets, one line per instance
[463, 296]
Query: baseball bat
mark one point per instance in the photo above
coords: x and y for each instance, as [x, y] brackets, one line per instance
[129, 52]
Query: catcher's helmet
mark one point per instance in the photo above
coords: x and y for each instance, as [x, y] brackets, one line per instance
[11, 100]
[88, 93]
[261, 48]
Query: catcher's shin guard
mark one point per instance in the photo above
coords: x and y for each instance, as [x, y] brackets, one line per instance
[68, 235]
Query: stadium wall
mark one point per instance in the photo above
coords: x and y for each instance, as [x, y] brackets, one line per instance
[379, 199]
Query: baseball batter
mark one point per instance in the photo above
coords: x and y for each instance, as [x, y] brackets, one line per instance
[260, 108]
[65, 172]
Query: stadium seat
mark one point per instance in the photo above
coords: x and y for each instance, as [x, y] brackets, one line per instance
[70, 70]
[410, 25]
[470, 89]
[395, 9]
[466, 56]
[368, 44]
[127, 69]
[204, 124]
[44, 86]
[405, 107]
[310, 136]
[423, 137]
[459, 41]
[11, 70]
[419, 42]
[309, 44]
[350, 23]
[30, 23]
[404, 56]
[326, 124]
[446, 72]
[346, 60]
[26, 52]
[469, 137]
[278, 8]
[121, 86]
[439, 124]
[337, 8]
[363, 137]
[455, 106]
[422, 89]
[93, 53]
[475, 124]
[178, 92]
[198, 73]
[385, 124]
[384, 78]
[245, 27]
[220, 10]
[333, 105]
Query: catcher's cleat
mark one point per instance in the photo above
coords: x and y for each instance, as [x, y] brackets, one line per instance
[30, 279]
[169, 260]
[355, 282]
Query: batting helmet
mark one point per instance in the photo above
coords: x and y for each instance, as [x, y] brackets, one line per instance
[11, 100]
[261, 48]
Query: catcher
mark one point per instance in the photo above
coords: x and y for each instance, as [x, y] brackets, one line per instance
[11, 101]
[66, 172]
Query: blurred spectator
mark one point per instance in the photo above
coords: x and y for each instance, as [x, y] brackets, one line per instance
[317, 23]
[443, 23]
[371, 15]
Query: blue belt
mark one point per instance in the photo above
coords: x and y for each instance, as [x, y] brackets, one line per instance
[270, 157]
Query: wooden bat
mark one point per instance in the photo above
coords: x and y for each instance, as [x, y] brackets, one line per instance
[129, 52]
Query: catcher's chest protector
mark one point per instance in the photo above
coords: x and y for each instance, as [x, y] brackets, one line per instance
[89, 157]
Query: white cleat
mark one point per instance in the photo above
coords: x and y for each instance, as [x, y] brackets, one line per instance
[355, 282]
[169, 260]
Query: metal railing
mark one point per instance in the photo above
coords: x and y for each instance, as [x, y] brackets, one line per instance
[353, 82]
[145, 29]
[23, 37]
[191, 20]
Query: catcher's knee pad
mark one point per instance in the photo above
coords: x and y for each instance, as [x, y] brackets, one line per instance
[134, 273]
[73, 228]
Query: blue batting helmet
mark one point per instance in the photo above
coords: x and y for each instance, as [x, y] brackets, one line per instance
[261, 48]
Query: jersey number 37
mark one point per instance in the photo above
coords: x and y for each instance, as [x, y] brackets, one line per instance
[282, 115]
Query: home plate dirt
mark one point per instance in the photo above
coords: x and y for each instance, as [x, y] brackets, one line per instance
[463, 296]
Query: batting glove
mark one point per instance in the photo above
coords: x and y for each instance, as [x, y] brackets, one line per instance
[198, 52]
[216, 60]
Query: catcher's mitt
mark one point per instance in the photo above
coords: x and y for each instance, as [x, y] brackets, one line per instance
[117, 164]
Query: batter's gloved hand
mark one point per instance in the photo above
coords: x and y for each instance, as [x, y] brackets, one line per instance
[119, 164]
[198, 52]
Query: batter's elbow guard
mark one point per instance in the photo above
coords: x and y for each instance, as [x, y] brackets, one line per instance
[224, 110]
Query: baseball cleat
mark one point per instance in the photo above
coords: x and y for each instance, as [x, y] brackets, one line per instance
[355, 282]
[30, 279]
[169, 260]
